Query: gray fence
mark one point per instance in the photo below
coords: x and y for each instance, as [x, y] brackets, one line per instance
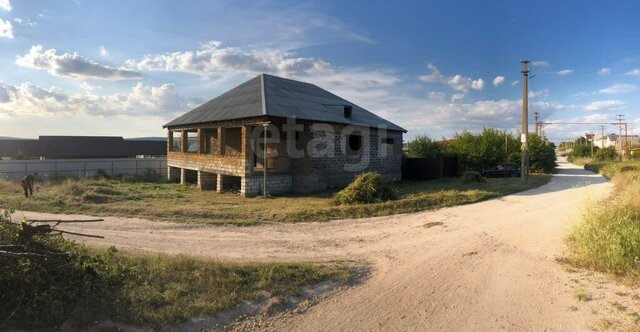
[16, 169]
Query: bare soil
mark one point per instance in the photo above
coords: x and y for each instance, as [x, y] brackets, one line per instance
[484, 266]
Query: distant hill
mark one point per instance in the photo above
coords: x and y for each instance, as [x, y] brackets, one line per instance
[147, 139]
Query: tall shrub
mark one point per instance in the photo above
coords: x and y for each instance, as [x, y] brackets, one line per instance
[423, 147]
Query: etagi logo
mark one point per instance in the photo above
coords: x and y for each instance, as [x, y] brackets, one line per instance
[354, 145]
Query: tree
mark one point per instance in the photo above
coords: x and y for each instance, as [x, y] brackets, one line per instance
[582, 148]
[477, 152]
[542, 154]
[606, 154]
[423, 147]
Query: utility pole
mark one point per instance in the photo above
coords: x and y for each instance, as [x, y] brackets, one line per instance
[538, 131]
[506, 153]
[619, 140]
[602, 137]
[524, 158]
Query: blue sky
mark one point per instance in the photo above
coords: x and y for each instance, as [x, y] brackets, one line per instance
[434, 67]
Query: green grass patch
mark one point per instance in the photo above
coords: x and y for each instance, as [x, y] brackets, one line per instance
[608, 239]
[180, 203]
[580, 161]
[88, 285]
[609, 169]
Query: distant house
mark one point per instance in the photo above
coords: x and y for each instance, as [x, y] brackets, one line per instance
[615, 140]
[315, 140]
[79, 147]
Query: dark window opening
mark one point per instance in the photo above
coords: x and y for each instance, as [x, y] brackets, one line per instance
[355, 143]
[387, 140]
[190, 176]
[347, 111]
[211, 141]
[233, 141]
[231, 183]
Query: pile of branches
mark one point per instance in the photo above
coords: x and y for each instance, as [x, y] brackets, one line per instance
[42, 274]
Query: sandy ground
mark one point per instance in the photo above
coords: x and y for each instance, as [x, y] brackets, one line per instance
[484, 266]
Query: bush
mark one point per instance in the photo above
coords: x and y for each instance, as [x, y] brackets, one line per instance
[366, 188]
[472, 176]
[423, 147]
[606, 154]
[478, 152]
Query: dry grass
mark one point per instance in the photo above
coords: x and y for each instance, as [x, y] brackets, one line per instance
[609, 237]
[178, 203]
[88, 285]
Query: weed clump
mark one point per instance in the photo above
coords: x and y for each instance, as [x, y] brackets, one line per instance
[366, 188]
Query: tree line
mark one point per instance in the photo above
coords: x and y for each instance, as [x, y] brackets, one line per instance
[481, 151]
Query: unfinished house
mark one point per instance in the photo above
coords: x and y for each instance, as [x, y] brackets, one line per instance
[293, 136]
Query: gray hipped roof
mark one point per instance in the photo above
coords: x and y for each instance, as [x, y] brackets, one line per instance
[271, 96]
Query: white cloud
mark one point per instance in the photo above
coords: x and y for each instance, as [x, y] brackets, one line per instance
[540, 64]
[437, 95]
[213, 60]
[604, 72]
[604, 105]
[103, 51]
[498, 80]
[5, 5]
[231, 65]
[72, 65]
[565, 72]
[463, 84]
[514, 83]
[543, 94]
[25, 22]
[635, 72]
[434, 77]
[619, 88]
[6, 29]
[459, 83]
[30, 100]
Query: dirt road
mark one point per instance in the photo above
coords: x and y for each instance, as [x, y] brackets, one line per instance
[484, 266]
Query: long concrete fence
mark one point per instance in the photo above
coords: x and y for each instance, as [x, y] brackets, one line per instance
[16, 169]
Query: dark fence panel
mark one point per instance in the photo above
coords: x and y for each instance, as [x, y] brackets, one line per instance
[429, 168]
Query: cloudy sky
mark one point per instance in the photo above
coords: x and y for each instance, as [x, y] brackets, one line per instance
[80, 67]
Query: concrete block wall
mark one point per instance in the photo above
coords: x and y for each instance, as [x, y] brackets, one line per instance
[321, 173]
[16, 169]
[277, 184]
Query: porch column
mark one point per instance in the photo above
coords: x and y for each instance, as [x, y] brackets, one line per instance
[247, 161]
[169, 141]
[201, 142]
[219, 183]
[221, 140]
[184, 141]
[183, 176]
